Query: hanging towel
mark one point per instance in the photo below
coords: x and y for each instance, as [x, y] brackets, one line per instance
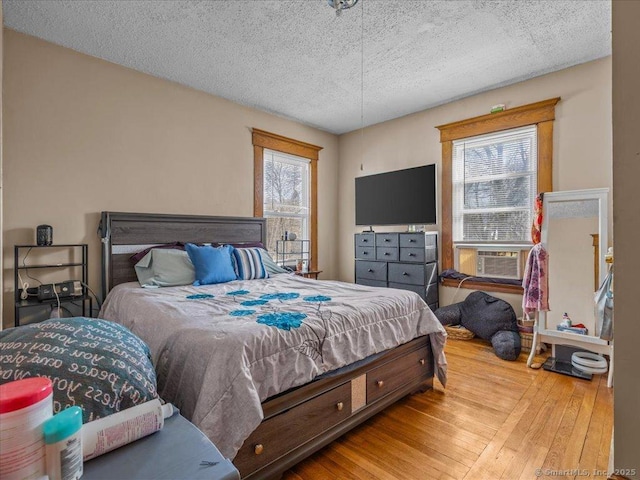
[536, 228]
[535, 282]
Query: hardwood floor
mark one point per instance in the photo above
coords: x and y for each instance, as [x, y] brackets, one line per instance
[495, 420]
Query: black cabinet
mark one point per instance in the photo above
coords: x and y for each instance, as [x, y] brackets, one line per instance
[407, 261]
[68, 286]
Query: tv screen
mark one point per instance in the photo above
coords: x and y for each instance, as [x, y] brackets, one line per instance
[395, 198]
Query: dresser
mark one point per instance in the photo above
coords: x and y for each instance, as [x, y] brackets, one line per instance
[399, 260]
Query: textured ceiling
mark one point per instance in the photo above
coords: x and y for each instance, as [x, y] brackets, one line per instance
[297, 59]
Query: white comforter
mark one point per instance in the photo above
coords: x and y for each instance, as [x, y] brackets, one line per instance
[220, 350]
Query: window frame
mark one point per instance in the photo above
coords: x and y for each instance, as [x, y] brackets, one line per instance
[541, 114]
[262, 139]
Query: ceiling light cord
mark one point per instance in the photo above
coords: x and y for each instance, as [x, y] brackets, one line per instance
[362, 85]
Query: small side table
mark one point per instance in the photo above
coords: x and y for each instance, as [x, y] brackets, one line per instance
[174, 452]
[310, 274]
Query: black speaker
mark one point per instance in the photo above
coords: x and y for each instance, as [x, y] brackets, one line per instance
[44, 235]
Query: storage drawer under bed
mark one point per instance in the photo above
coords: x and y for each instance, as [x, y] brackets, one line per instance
[390, 376]
[340, 399]
[278, 435]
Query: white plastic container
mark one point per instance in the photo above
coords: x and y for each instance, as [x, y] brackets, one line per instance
[24, 406]
[63, 444]
[108, 433]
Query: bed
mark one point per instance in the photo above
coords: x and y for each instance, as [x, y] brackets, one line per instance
[270, 369]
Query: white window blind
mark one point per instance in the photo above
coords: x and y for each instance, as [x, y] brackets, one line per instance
[286, 198]
[494, 186]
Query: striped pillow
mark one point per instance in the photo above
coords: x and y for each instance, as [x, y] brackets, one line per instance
[249, 264]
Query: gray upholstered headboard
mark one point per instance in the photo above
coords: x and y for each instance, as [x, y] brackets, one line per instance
[124, 234]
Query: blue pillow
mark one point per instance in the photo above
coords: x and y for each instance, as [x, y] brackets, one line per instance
[213, 265]
[249, 263]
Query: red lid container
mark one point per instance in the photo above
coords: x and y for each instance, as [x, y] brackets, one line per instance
[23, 393]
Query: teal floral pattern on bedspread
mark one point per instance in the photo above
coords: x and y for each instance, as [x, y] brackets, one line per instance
[280, 296]
[241, 313]
[238, 292]
[282, 320]
[270, 314]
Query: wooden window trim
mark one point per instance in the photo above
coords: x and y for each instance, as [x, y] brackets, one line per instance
[262, 139]
[484, 286]
[541, 114]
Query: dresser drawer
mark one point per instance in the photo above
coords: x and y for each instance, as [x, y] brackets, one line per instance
[386, 240]
[278, 435]
[387, 254]
[410, 254]
[386, 378]
[412, 240]
[365, 239]
[367, 253]
[431, 273]
[419, 289]
[371, 270]
[431, 295]
[407, 273]
[371, 283]
[431, 239]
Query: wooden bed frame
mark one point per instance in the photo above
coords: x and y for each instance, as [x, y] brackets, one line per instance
[299, 421]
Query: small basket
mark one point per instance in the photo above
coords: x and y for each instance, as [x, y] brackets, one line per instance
[526, 342]
[458, 332]
[526, 325]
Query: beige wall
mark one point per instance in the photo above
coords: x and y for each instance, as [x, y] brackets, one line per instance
[583, 114]
[83, 135]
[626, 174]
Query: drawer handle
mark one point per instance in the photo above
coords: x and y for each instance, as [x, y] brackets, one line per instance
[339, 406]
[386, 253]
[412, 254]
[422, 362]
[258, 449]
[380, 383]
[364, 240]
[405, 274]
[412, 240]
[365, 253]
[370, 270]
[387, 240]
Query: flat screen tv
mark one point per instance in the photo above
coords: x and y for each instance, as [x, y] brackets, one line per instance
[402, 197]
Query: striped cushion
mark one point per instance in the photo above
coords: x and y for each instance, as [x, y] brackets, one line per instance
[249, 264]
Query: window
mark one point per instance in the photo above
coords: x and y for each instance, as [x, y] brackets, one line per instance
[494, 186]
[493, 166]
[286, 196]
[285, 188]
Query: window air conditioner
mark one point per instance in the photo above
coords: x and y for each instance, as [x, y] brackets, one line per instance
[499, 263]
